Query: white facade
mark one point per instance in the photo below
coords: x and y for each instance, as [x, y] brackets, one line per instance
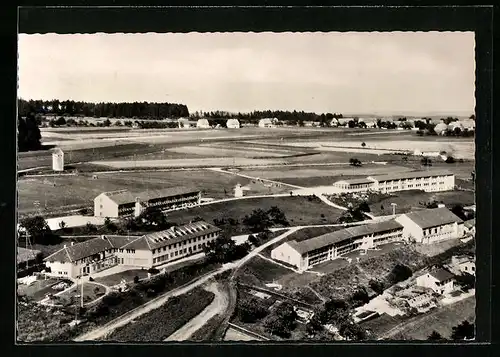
[290, 253]
[431, 183]
[202, 124]
[233, 124]
[347, 186]
[266, 123]
[430, 282]
[413, 232]
[58, 160]
[238, 191]
[183, 123]
[105, 207]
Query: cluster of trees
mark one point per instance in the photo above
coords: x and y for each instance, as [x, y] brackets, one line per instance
[463, 331]
[282, 320]
[386, 124]
[260, 220]
[355, 162]
[38, 231]
[336, 312]
[224, 249]
[354, 213]
[143, 110]
[28, 134]
[151, 219]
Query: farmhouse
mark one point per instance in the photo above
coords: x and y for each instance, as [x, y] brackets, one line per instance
[233, 124]
[122, 203]
[183, 123]
[150, 250]
[428, 181]
[266, 123]
[202, 124]
[431, 225]
[307, 253]
[439, 280]
[58, 160]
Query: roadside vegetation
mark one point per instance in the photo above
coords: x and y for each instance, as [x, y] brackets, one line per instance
[160, 323]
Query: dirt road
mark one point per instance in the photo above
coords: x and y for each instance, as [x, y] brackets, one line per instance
[218, 306]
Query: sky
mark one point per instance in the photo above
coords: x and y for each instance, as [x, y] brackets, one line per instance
[376, 73]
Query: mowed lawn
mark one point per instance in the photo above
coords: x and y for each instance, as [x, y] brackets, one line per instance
[127, 275]
[298, 210]
[409, 200]
[441, 320]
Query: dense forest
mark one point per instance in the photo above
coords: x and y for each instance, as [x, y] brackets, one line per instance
[142, 110]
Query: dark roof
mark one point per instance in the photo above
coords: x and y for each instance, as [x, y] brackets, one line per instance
[25, 255]
[71, 253]
[441, 274]
[357, 181]
[172, 235]
[338, 236]
[412, 174]
[428, 218]
[124, 196]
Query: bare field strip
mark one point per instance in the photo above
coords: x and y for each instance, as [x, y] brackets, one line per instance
[332, 172]
[222, 152]
[202, 162]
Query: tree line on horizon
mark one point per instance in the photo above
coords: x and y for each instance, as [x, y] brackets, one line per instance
[143, 110]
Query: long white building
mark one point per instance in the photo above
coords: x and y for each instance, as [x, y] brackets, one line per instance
[150, 250]
[307, 253]
[123, 203]
[428, 181]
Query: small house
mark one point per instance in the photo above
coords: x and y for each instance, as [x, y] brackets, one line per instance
[438, 280]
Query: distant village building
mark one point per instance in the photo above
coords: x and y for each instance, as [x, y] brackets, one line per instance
[439, 280]
[428, 181]
[233, 124]
[183, 123]
[238, 191]
[431, 225]
[58, 160]
[307, 253]
[203, 124]
[267, 123]
[440, 129]
[334, 122]
[147, 251]
[122, 203]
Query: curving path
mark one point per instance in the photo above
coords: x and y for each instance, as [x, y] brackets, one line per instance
[218, 306]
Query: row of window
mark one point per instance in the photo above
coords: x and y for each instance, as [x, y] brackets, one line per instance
[178, 253]
[179, 244]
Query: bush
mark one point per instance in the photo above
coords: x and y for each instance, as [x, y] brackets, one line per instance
[136, 279]
[153, 271]
[377, 286]
[112, 299]
[399, 273]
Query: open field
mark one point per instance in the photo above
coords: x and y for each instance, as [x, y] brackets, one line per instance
[441, 320]
[60, 191]
[409, 200]
[298, 210]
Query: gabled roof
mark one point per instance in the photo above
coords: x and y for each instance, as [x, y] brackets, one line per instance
[125, 196]
[172, 235]
[441, 274]
[412, 174]
[71, 253]
[428, 218]
[338, 236]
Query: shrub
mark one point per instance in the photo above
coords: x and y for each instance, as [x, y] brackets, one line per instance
[112, 299]
[153, 271]
[136, 279]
